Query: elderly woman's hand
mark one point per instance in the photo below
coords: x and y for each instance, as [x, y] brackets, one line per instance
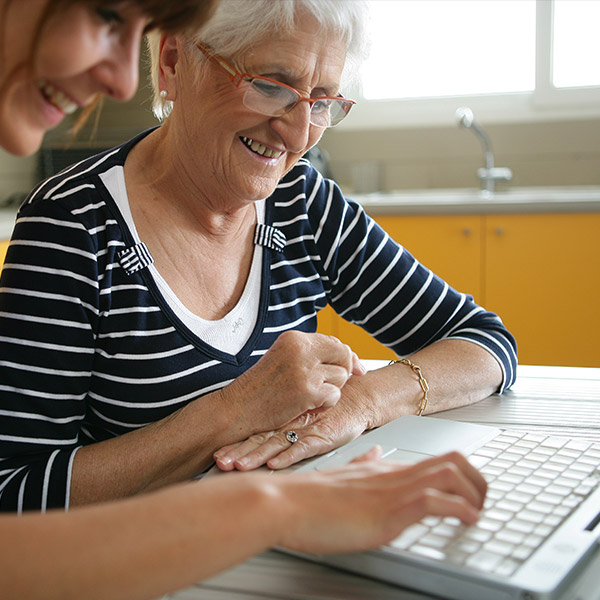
[318, 432]
[301, 372]
[367, 504]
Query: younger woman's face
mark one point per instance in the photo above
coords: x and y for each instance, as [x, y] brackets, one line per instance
[89, 48]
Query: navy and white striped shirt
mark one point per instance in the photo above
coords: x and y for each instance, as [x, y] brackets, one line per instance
[90, 349]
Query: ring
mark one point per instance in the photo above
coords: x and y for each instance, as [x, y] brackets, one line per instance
[291, 436]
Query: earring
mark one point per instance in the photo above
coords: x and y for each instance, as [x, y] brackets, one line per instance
[163, 94]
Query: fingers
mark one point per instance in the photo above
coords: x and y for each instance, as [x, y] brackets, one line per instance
[300, 372]
[368, 503]
[304, 448]
[451, 473]
[357, 367]
[251, 453]
[456, 468]
[373, 453]
[225, 457]
[334, 352]
[433, 502]
[272, 449]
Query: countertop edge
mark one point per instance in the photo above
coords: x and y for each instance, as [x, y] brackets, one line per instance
[375, 207]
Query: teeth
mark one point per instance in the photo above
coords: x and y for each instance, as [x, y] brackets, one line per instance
[58, 98]
[260, 149]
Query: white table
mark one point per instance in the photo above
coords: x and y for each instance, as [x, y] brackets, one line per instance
[553, 400]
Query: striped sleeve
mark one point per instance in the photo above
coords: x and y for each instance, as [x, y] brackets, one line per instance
[375, 283]
[48, 313]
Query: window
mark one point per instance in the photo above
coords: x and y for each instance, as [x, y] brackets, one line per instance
[442, 48]
[518, 60]
[576, 45]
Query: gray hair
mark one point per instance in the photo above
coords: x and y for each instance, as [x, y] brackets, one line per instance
[237, 25]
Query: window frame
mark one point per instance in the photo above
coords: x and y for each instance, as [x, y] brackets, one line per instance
[546, 102]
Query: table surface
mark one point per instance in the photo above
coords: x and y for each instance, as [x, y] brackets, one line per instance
[553, 400]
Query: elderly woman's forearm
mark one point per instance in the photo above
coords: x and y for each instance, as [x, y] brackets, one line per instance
[457, 373]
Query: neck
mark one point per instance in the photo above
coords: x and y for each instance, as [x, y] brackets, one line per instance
[166, 186]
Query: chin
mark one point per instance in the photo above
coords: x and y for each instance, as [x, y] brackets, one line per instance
[21, 145]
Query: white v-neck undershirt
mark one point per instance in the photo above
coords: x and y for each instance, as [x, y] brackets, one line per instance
[228, 334]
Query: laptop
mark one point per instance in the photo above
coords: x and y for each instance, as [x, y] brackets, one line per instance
[539, 528]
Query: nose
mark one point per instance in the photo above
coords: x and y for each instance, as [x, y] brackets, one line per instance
[118, 73]
[294, 127]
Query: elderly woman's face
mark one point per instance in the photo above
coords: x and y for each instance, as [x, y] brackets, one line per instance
[245, 153]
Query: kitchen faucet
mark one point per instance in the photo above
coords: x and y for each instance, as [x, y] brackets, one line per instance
[489, 174]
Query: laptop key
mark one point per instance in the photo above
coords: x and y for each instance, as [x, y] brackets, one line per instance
[532, 516]
[477, 535]
[509, 505]
[521, 526]
[499, 547]
[506, 568]
[484, 561]
[512, 537]
[428, 552]
[522, 552]
[466, 546]
[553, 442]
[409, 536]
[433, 541]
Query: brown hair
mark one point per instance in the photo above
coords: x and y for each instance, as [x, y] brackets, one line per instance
[170, 16]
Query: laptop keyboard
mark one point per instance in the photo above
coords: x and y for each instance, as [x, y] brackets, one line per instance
[534, 483]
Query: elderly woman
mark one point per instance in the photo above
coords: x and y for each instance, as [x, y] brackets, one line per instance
[174, 282]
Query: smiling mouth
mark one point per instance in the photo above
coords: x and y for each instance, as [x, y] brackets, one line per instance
[260, 149]
[59, 99]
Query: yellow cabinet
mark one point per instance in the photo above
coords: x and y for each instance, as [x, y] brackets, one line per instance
[3, 249]
[539, 272]
[543, 279]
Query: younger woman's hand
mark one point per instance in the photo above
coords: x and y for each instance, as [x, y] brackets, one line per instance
[368, 503]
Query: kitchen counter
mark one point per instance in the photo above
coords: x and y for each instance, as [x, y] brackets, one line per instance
[472, 201]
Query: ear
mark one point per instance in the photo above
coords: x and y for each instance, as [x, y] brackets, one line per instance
[167, 66]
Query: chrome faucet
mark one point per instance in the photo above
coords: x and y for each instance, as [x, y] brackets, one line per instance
[489, 174]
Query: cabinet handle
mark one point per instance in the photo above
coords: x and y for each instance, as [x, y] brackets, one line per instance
[467, 231]
[499, 231]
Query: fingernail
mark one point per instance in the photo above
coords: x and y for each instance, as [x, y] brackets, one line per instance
[241, 462]
[226, 460]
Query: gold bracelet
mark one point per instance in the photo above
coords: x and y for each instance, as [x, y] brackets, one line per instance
[422, 382]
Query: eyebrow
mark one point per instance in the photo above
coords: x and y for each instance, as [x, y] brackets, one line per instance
[290, 77]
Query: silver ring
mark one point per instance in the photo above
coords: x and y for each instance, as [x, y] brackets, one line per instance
[291, 436]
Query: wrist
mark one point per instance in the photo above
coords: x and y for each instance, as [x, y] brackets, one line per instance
[416, 369]
[360, 402]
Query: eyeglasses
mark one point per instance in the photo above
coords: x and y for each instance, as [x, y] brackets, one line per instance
[274, 99]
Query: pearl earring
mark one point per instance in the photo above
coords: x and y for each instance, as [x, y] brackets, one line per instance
[163, 94]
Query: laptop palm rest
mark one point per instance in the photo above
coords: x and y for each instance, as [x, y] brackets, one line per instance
[410, 439]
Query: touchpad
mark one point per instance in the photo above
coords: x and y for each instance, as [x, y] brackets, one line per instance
[405, 456]
[345, 455]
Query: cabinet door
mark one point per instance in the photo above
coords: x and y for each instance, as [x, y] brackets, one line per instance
[543, 278]
[3, 249]
[449, 245]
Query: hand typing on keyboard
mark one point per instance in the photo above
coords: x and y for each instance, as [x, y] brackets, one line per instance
[534, 483]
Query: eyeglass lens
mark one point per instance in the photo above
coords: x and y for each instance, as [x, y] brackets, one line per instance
[269, 98]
